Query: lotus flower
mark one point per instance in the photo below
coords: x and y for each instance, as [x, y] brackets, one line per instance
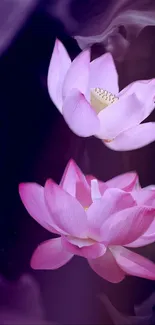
[87, 94]
[90, 224]
[144, 313]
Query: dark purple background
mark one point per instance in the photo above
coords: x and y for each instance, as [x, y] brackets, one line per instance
[35, 144]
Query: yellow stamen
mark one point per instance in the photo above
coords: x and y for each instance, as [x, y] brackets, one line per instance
[86, 208]
[108, 140]
[101, 98]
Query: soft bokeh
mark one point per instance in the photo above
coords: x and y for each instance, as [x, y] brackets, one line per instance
[144, 313]
[21, 302]
[13, 15]
[112, 24]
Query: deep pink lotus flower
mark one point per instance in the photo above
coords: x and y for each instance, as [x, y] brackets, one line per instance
[93, 220]
[87, 94]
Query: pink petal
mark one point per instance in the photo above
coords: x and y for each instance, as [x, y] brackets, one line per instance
[144, 197]
[112, 201]
[59, 65]
[106, 267]
[91, 251]
[89, 178]
[120, 116]
[79, 115]
[50, 255]
[74, 182]
[145, 92]
[127, 225]
[150, 187]
[66, 211]
[134, 264]
[135, 138]
[79, 242]
[32, 196]
[144, 240]
[103, 74]
[126, 182]
[102, 186]
[78, 74]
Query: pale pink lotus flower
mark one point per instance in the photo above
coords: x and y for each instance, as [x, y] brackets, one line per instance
[93, 220]
[87, 94]
[144, 312]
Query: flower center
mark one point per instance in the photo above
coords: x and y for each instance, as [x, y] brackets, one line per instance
[101, 98]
